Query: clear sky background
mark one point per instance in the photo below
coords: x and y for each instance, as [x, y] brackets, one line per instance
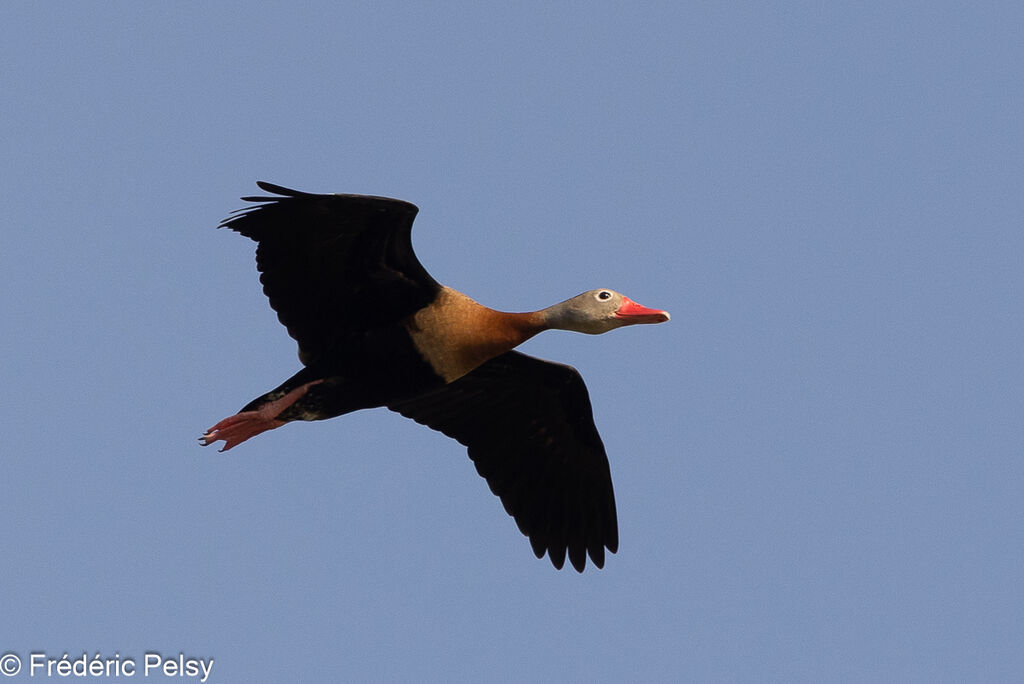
[817, 462]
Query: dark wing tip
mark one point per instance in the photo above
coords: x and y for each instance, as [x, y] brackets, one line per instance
[557, 555]
[576, 554]
[318, 206]
[279, 189]
[281, 192]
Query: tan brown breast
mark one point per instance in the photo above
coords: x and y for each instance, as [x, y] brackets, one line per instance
[455, 334]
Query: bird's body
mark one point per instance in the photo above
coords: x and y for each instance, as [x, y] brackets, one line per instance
[374, 329]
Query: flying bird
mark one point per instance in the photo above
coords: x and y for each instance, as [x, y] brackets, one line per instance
[375, 329]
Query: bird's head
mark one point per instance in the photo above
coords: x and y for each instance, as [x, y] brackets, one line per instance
[598, 311]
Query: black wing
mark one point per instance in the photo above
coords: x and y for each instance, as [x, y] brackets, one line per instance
[334, 264]
[530, 430]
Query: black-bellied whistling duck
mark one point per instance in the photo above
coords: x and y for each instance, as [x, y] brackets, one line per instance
[374, 329]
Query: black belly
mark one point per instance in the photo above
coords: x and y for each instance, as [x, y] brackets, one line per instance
[377, 368]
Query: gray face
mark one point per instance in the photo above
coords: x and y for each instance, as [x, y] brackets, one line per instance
[592, 312]
[601, 310]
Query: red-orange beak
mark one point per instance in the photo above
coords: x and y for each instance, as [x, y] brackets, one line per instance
[631, 312]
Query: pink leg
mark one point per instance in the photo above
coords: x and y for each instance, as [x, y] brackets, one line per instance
[237, 428]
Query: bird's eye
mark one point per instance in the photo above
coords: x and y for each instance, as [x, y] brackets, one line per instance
[604, 295]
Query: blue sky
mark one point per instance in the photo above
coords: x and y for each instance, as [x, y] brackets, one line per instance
[817, 462]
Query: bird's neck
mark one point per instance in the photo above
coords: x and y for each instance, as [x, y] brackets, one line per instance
[455, 334]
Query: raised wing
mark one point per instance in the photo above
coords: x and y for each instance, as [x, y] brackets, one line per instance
[334, 264]
[530, 431]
